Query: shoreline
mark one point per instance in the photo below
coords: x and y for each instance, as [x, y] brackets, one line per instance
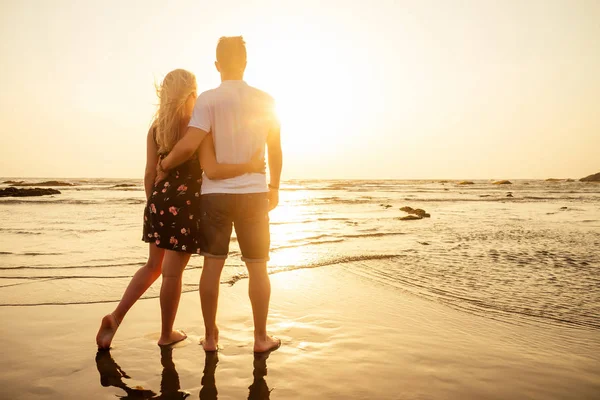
[344, 336]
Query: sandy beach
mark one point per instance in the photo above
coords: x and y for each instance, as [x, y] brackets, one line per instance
[342, 339]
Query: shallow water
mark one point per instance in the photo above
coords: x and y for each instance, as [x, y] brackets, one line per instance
[530, 258]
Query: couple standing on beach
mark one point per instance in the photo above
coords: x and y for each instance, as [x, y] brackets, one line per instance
[205, 173]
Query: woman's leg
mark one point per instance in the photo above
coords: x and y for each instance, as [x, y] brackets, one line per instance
[141, 281]
[170, 292]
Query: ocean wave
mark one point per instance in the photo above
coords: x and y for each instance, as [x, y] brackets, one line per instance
[43, 183]
[19, 232]
[318, 264]
[32, 253]
[231, 281]
[309, 239]
[309, 243]
[40, 267]
[308, 221]
[53, 200]
[48, 200]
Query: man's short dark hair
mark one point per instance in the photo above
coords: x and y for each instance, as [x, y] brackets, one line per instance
[231, 53]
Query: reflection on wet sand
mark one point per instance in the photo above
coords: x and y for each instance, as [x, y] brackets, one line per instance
[111, 374]
[169, 384]
[209, 386]
[259, 389]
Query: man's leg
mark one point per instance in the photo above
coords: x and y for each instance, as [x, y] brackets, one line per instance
[216, 233]
[209, 299]
[259, 291]
[252, 228]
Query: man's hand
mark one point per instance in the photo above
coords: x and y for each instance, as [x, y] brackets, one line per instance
[161, 174]
[273, 197]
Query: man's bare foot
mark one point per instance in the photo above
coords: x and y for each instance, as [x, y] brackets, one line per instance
[211, 342]
[172, 338]
[107, 331]
[268, 343]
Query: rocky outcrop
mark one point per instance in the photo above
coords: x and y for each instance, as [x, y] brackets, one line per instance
[421, 213]
[415, 213]
[466, 183]
[16, 192]
[591, 178]
[503, 182]
[45, 183]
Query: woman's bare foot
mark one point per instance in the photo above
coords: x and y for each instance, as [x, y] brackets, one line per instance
[211, 342]
[268, 343]
[172, 338]
[107, 331]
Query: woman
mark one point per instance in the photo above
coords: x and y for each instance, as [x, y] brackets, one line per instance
[172, 212]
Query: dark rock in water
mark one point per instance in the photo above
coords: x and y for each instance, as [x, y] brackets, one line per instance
[386, 206]
[509, 194]
[484, 195]
[591, 178]
[466, 183]
[563, 208]
[415, 211]
[503, 182]
[12, 182]
[15, 192]
[424, 243]
[45, 183]
[124, 185]
[446, 189]
[420, 212]
[570, 180]
[553, 180]
[409, 218]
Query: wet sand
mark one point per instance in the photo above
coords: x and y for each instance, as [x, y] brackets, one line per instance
[344, 337]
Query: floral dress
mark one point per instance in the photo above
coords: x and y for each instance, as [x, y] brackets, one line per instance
[172, 213]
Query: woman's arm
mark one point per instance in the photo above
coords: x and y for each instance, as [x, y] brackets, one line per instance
[151, 161]
[214, 170]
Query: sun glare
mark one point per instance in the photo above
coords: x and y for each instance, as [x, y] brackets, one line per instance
[318, 107]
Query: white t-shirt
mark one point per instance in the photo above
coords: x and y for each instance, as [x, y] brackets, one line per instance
[240, 118]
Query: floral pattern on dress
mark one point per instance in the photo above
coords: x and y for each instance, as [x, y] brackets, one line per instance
[169, 216]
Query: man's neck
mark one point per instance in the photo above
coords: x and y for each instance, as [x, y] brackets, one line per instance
[232, 77]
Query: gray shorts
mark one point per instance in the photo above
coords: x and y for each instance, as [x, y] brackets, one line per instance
[248, 213]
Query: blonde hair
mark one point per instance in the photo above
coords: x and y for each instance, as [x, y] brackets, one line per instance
[173, 94]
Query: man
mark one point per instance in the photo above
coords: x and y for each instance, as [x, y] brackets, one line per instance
[242, 120]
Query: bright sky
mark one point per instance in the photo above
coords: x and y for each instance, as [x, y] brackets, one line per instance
[365, 89]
